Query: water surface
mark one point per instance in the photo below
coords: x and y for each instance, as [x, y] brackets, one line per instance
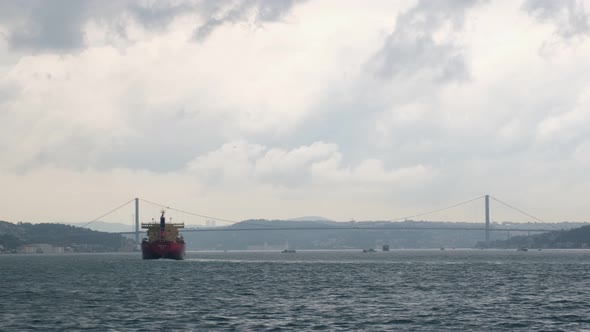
[405, 290]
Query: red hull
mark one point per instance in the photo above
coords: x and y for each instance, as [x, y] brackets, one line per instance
[162, 249]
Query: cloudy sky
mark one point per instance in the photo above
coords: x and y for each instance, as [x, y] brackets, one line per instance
[276, 109]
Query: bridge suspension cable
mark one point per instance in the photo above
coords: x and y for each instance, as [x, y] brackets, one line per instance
[439, 210]
[265, 225]
[516, 209]
[106, 214]
[187, 212]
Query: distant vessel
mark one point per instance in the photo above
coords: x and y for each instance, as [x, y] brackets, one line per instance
[163, 240]
[287, 250]
[522, 249]
[369, 250]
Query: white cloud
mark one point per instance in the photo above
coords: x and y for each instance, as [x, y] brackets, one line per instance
[239, 163]
[568, 125]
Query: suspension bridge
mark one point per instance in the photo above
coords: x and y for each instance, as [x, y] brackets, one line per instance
[231, 225]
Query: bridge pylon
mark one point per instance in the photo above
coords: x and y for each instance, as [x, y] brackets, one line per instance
[137, 221]
[487, 219]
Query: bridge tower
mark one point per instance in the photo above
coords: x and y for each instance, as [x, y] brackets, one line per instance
[137, 221]
[487, 219]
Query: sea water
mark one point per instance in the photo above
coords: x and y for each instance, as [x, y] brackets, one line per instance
[401, 290]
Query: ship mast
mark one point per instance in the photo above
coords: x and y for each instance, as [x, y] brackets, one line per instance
[162, 224]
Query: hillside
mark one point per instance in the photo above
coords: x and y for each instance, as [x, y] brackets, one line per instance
[572, 238]
[80, 239]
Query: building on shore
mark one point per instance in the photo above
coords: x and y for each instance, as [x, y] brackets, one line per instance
[39, 248]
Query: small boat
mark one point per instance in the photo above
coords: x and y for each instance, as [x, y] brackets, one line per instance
[288, 251]
[522, 249]
[369, 250]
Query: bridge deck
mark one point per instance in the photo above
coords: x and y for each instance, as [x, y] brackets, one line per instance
[231, 229]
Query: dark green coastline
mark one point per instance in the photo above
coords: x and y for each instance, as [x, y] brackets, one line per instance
[25, 237]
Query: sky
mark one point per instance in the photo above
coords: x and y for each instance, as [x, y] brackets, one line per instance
[243, 109]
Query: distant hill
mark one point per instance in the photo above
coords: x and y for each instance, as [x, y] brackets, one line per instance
[80, 239]
[102, 226]
[310, 218]
[329, 236]
[571, 238]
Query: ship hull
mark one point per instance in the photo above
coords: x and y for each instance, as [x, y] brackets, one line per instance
[163, 249]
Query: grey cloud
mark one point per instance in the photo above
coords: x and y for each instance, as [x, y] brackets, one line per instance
[41, 25]
[160, 147]
[206, 29]
[569, 17]
[269, 11]
[38, 25]
[410, 51]
[411, 47]
[160, 14]
[165, 142]
[48, 25]
[222, 12]
[65, 154]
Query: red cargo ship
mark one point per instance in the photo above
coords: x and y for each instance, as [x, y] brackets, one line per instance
[163, 240]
